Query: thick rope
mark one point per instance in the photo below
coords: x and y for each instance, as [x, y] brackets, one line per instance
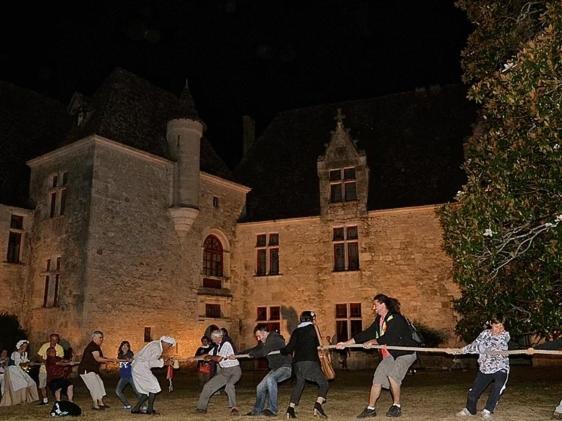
[415, 349]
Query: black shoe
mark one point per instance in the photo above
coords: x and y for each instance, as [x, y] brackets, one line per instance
[268, 413]
[318, 411]
[394, 411]
[290, 413]
[201, 411]
[367, 413]
[252, 414]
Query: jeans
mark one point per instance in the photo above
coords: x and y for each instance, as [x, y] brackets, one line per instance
[121, 385]
[268, 386]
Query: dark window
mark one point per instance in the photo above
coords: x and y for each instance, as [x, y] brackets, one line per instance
[262, 262]
[64, 178]
[213, 311]
[343, 185]
[261, 240]
[267, 254]
[62, 201]
[348, 321]
[346, 248]
[349, 174]
[14, 247]
[341, 330]
[335, 175]
[339, 257]
[274, 313]
[58, 264]
[16, 222]
[54, 182]
[350, 192]
[274, 261]
[215, 202]
[212, 256]
[271, 315]
[261, 314]
[46, 293]
[53, 204]
[52, 283]
[273, 239]
[148, 334]
[341, 311]
[335, 193]
[212, 283]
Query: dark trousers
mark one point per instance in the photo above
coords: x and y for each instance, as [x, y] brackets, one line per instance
[311, 371]
[482, 381]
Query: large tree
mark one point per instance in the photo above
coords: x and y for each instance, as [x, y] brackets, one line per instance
[503, 229]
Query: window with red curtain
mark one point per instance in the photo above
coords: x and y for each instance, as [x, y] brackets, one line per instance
[212, 256]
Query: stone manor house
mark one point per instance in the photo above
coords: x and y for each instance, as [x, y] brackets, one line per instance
[132, 224]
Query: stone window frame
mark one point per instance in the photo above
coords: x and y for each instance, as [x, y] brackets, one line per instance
[265, 252]
[348, 320]
[225, 243]
[347, 243]
[211, 308]
[342, 182]
[16, 234]
[272, 323]
[52, 277]
[57, 192]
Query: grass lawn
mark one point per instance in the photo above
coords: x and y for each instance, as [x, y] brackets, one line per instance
[532, 394]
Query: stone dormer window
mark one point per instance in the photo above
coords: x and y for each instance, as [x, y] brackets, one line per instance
[343, 185]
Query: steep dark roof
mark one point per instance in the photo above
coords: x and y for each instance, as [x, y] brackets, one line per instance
[129, 110]
[30, 125]
[413, 142]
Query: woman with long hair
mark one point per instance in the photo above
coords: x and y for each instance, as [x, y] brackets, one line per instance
[125, 356]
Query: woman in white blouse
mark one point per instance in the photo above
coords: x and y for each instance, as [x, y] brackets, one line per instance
[18, 386]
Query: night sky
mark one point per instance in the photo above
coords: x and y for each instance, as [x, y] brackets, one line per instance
[241, 56]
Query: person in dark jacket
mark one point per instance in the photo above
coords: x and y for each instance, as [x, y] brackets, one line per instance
[389, 328]
[279, 369]
[303, 345]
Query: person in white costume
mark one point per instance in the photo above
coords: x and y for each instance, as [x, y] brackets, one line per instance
[19, 387]
[145, 382]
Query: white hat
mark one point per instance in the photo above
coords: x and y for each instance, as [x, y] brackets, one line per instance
[168, 340]
[21, 342]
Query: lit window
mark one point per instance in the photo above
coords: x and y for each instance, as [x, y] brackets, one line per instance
[343, 185]
[346, 248]
[267, 254]
[348, 321]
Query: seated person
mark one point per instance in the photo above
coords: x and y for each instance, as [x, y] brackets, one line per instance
[57, 372]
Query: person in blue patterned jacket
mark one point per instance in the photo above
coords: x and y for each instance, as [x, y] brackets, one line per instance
[493, 366]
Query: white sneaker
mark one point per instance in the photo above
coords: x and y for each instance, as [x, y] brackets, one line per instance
[464, 413]
[486, 414]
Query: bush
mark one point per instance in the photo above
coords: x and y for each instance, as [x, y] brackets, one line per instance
[10, 331]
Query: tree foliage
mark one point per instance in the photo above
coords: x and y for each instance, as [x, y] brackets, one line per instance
[10, 332]
[503, 229]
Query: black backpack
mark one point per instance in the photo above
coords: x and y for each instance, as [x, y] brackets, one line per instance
[417, 337]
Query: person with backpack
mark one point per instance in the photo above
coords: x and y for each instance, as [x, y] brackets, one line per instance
[389, 328]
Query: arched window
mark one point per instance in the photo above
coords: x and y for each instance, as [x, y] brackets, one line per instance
[212, 256]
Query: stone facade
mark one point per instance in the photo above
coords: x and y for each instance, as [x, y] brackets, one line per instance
[139, 244]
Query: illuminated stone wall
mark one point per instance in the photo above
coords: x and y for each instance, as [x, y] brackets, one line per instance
[400, 255]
